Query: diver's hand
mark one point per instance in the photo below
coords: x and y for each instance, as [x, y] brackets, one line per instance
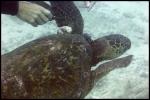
[64, 30]
[33, 13]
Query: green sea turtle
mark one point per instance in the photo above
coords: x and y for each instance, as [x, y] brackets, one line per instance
[59, 65]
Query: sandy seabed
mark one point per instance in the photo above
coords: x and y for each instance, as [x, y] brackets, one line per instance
[128, 18]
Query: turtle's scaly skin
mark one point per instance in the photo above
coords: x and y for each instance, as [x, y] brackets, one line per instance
[50, 67]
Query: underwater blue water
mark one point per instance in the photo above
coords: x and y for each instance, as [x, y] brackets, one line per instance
[128, 18]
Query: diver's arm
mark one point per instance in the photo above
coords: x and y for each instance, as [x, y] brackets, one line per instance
[9, 7]
[29, 12]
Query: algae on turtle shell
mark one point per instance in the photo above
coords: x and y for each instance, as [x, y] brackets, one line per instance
[50, 67]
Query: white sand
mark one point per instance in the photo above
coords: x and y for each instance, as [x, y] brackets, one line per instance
[128, 18]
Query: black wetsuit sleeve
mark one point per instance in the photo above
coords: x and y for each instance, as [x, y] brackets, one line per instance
[9, 7]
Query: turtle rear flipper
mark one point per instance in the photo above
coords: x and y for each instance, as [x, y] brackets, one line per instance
[105, 68]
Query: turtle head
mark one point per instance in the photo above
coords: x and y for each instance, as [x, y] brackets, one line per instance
[109, 47]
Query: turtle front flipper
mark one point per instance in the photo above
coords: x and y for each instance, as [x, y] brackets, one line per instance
[109, 47]
[105, 68]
